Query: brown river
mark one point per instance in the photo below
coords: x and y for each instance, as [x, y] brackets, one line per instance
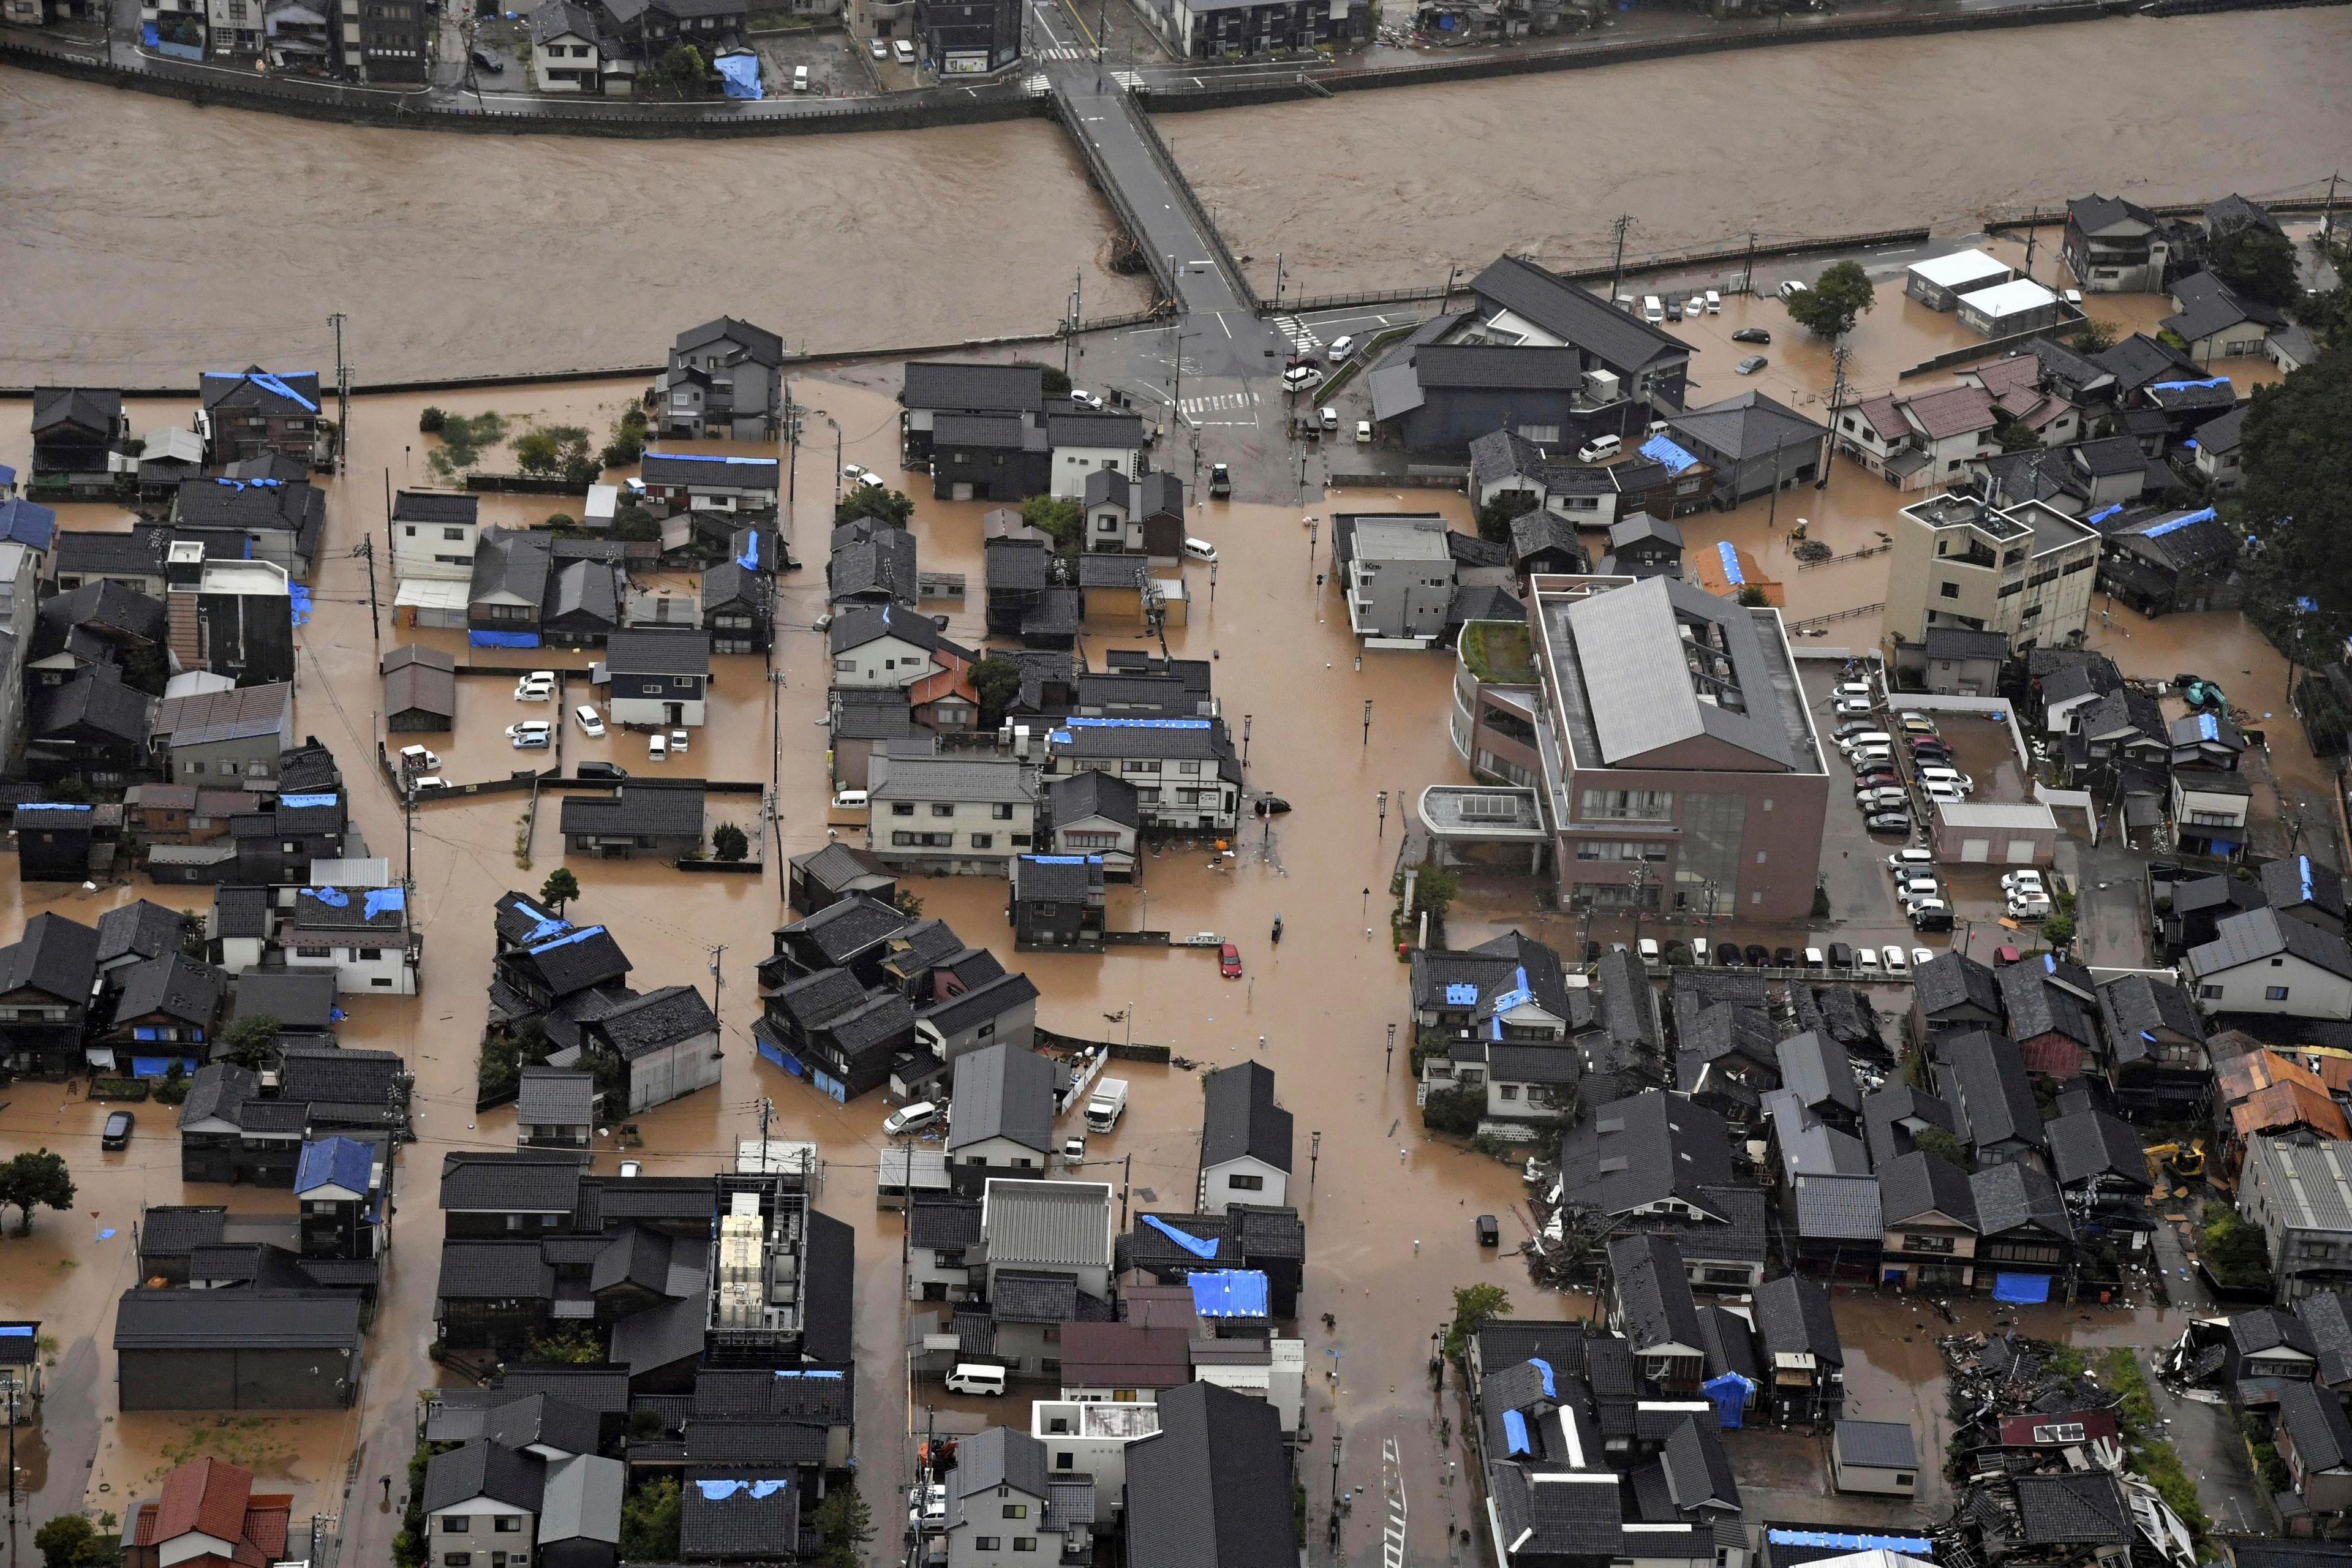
[1397, 185]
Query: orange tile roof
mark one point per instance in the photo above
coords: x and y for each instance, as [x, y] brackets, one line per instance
[2284, 1105]
[208, 1496]
[955, 682]
[2239, 1076]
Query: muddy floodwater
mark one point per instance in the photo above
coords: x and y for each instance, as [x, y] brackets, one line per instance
[164, 239]
[1824, 139]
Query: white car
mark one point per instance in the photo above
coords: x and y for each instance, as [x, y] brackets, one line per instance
[1363, 432]
[1200, 550]
[2030, 909]
[928, 1506]
[1903, 859]
[1915, 888]
[1085, 399]
[1851, 689]
[678, 742]
[538, 685]
[658, 747]
[1945, 794]
[1599, 448]
[591, 724]
[1341, 346]
[904, 51]
[1853, 707]
[910, 1119]
[1865, 961]
[799, 79]
[417, 760]
[1920, 955]
[1299, 377]
[2018, 881]
[853, 475]
[1892, 956]
[879, 48]
[431, 781]
[1328, 417]
[532, 734]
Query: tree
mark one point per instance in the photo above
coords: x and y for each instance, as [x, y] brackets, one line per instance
[560, 888]
[998, 682]
[2257, 263]
[844, 1525]
[195, 941]
[907, 904]
[2297, 508]
[1062, 521]
[251, 1042]
[574, 1345]
[2234, 1249]
[893, 507]
[1434, 890]
[1495, 517]
[1841, 293]
[628, 442]
[680, 73]
[1474, 1306]
[1944, 1146]
[36, 1179]
[2328, 316]
[649, 1523]
[431, 420]
[728, 842]
[2017, 435]
[2095, 336]
[1752, 596]
[70, 1541]
[1057, 379]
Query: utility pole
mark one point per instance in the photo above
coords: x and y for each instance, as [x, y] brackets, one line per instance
[1314, 1156]
[1748, 272]
[366, 552]
[1126, 1166]
[1383, 838]
[12, 1444]
[1277, 266]
[767, 1108]
[718, 953]
[1390, 1066]
[1838, 358]
[792, 449]
[1619, 225]
[2030, 237]
[342, 396]
[1247, 720]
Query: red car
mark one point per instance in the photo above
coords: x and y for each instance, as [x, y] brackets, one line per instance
[1229, 962]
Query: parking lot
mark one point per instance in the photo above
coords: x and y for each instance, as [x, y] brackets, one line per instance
[834, 66]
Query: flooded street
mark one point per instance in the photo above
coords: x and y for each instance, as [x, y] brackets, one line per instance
[140, 253]
[1827, 139]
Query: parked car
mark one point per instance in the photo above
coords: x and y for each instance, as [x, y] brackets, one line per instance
[1751, 335]
[2031, 909]
[611, 771]
[1695, 306]
[1918, 723]
[904, 51]
[1490, 1234]
[1329, 417]
[1229, 962]
[1648, 949]
[879, 48]
[532, 734]
[417, 760]
[1728, 954]
[1085, 399]
[1673, 310]
[851, 800]
[1599, 448]
[117, 1135]
[2012, 881]
[1865, 960]
[1945, 794]
[1933, 915]
[1849, 707]
[1200, 550]
[1840, 956]
[799, 79]
[1363, 432]
[976, 1377]
[1891, 957]
[1789, 290]
[1888, 822]
[910, 1119]
[851, 476]
[538, 685]
[1751, 364]
[1920, 955]
[1884, 797]
[1903, 859]
[1758, 956]
[1816, 958]
[431, 782]
[926, 1504]
[487, 62]
[1299, 377]
[591, 724]
[1784, 957]
[658, 747]
[1931, 775]
[1920, 886]
[678, 742]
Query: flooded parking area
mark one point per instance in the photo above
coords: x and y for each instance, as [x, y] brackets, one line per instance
[153, 244]
[1827, 139]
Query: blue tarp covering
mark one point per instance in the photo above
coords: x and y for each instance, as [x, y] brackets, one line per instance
[380, 899]
[1065, 860]
[1839, 1541]
[299, 802]
[1543, 1370]
[739, 75]
[160, 1066]
[750, 559]
[2185, 385]
[566, 939]
[2104, 513]
[301, 598]
[23, 522]
[16, 1331]
[154, 41]
[1730, 1394]
[714, 457]
[2183, 520]
[834, 1376]
[2308, 607]
[1197, 1246]
[2027, 1290]
[1514, 1433]
[1230, 1293]
[343, 1162]
[1731, 574]
[2303, 864]
[1460, 994]
[1138, 724]
[2209, 727]
[146, 1032]
[1658, 450]
[503, 640]
[333, 898]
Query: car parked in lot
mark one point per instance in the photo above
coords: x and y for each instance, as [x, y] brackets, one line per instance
[1758, 955]
[1920, 955]
[117, 1135]
[879, 48]
[1933, 915]
[1751, 364]
[1840, 955]
[591, 724]
[1853, 707]
[1751, 335]
[1728, 954]
[538, 685]
[2019, 882]
[1904, 860]
[1865, 960]
[1299, 377]
[1891, 956]
[532, 734]
[1945, 794]
[1888, 822]
[910, 1119]
[904, 51]
[658, 747]
[612, 771]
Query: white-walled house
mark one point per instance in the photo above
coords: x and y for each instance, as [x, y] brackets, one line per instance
[2261, 962]
[889, 646]
[563, 53]
[362, 934]
[1084, 443]
[434, 534]
[1089, 1437]
[1245, 1140]
[969, 814]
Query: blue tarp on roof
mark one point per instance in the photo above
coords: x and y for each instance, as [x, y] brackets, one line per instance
[796, 1373]
[333, 898]
[2026, 1289]
[1230, 1293]
[1543, 1370]
[16, 1331]
[343, 1162]
[2209, 726]
[299, 802]
[1460, 994]
[300, 597]
[502, 639]
[2183, 520]
[1659, 449]
[380, 899]
[160, 1066]
[1730, 562]
[1730, 1394]
[1138, 724]
[1197, 1246]
[750, 559]
[1064, 859]
[739, 75]
[566, 939]
[26, 523]
[2104, 513]
[712, 458]
[1840, 1541]
[1514, 1433]
[2185, 385]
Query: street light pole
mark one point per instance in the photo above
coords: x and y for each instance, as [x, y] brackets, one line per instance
[1368, 721]
[1384, 815]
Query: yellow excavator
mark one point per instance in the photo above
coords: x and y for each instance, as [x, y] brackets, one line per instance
[2187, 1164]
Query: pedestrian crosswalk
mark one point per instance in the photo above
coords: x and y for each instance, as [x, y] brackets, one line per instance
[1219, 403]
[1062, 52]
[1302, 338]
[1128, 79]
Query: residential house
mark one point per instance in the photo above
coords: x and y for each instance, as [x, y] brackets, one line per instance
[1805, 1359]
[1981, 1076]
[566, 54]
[1929, 1213]
[2199, 905]
[1212, 1488]
[1245, 1139]
[1005, 1507]
[1753, 444]
[1921, 441]
[1125, 1362]
[1662, 481]
[55, 842]
[2300, 1193]
[100, 628]
[822, 877]
[1681, 753]
[362, 935]
[165, 1008]
[867, 722]
[1522, 305]
[2171, 559]
[81, 437]
[508, 589]
[1657, 1161]
[935, 389]
[1543, 541]
[1829, 1198]
[2098, 1157]
[254, 413]
[1255, 1239]
[2215, 322]
[1186, 776]
[1650, 1303]
[1954, 992]
[1058, 902]
[2155, 1047]
[944, 1245]
[1001, 1116]
[2302, 888]
[725, 383]
[652, 817]
[990, 1007]
[2217, 450]
[2025, 395]
[258, 1348]
[873, 563]
[49, 977]
[1939, 281]
[966, 814]
[739, 609]
[2115, 247]
[1113, 585]
[1084, 444]
[2262, 962]
[2314, 1439]
[1398, 576]
[666, 1042]
[659, 677]
[889, 646]
[1023, 600]
[661, 24]
[1048, 1227]
[2260, 1093]
[226, 736]
[1879, 1456]
[584, 604]
[1955, 661]
[990, 457]
[2025, 1235]
[1142, 516]
[301, 1003]
[2025, 572]
[420, 690]
[487, 1497]
[208, 1508]
[2050, 1023]
[276, 520]
[2205, 742]
[2007, 311]
[556, 1109]
[1094, 814]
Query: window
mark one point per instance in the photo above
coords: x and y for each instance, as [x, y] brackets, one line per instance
[902, 809]
[1001, 813]
[983, 841]
[1190, 770]
[2273, 992]
[942, 810]
[1509, 1090]
[2210, 993]
[1904, 1477]
[1065, 1461]
[845, 664]
[508, 1524]
[1631, 804]
[1949, 590]
[192, 769]
[1024, 1543]
[1016, 1510]
[449, 533]
[1020, 840]
[455, 1524]
[369, 954]
[313, 951]
[987, 1542]
[1247, 1183]
[410, 532]
[457, 1559]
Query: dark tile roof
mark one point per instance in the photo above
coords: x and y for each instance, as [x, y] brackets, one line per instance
[481, 1469]
[1953, 979]
[2326, 1316]
[556, 1097]
[2090, 1144]
[943, 1224]
[173, 986]
[991, 998]
[1212, 1488]
[1912, 1184]
[2257, 934]
[2034, 1006]
[2013, 1195]
[1729, 1343]
[1092, 793]
[2086, 1507]
[495, 1270]
[1818, 1070]
[302, 1000]
[1652, 1292]
[175, 1320]
[533, 1181]
[2291, 882]
[1698, 1472]
[737, 1516]
[345, 1076]
[1003, 1092]
[55, 956]
[671, 651]
[115, 711]
[1575, 313]
[2271, 1328]
[175, 1231]
[574, 960]
[2315, 1422]
[139, 929]
[1637, 1151]
[655, 1019]
[1793, 1315]
[1986, 1079]
[2134, 1006]
[847, 928]
[1239, 1118]
[937, 384]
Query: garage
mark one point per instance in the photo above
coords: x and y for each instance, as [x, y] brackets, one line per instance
[2013, 832]
[236, 1349]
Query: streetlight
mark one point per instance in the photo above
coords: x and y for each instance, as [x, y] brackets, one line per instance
[1384, 815]
[1392, 1059]
[1245, 735]
[836, 452]
[1368, 721]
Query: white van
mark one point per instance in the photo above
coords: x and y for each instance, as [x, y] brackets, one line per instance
[1952, 776]
[973, 1377]
[1715, 302]
[908, 1118]
[1342, 347]
[1654, 309]
[1599, 448]
[799, 79]
[1200, 550]
[849, 800]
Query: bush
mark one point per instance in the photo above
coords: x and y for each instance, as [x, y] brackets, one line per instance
[1456, 1111]
[431, 421]
[728, 842]
[172, 1092]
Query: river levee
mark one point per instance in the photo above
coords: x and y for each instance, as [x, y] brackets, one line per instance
[163, 240]
[1391, 188]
